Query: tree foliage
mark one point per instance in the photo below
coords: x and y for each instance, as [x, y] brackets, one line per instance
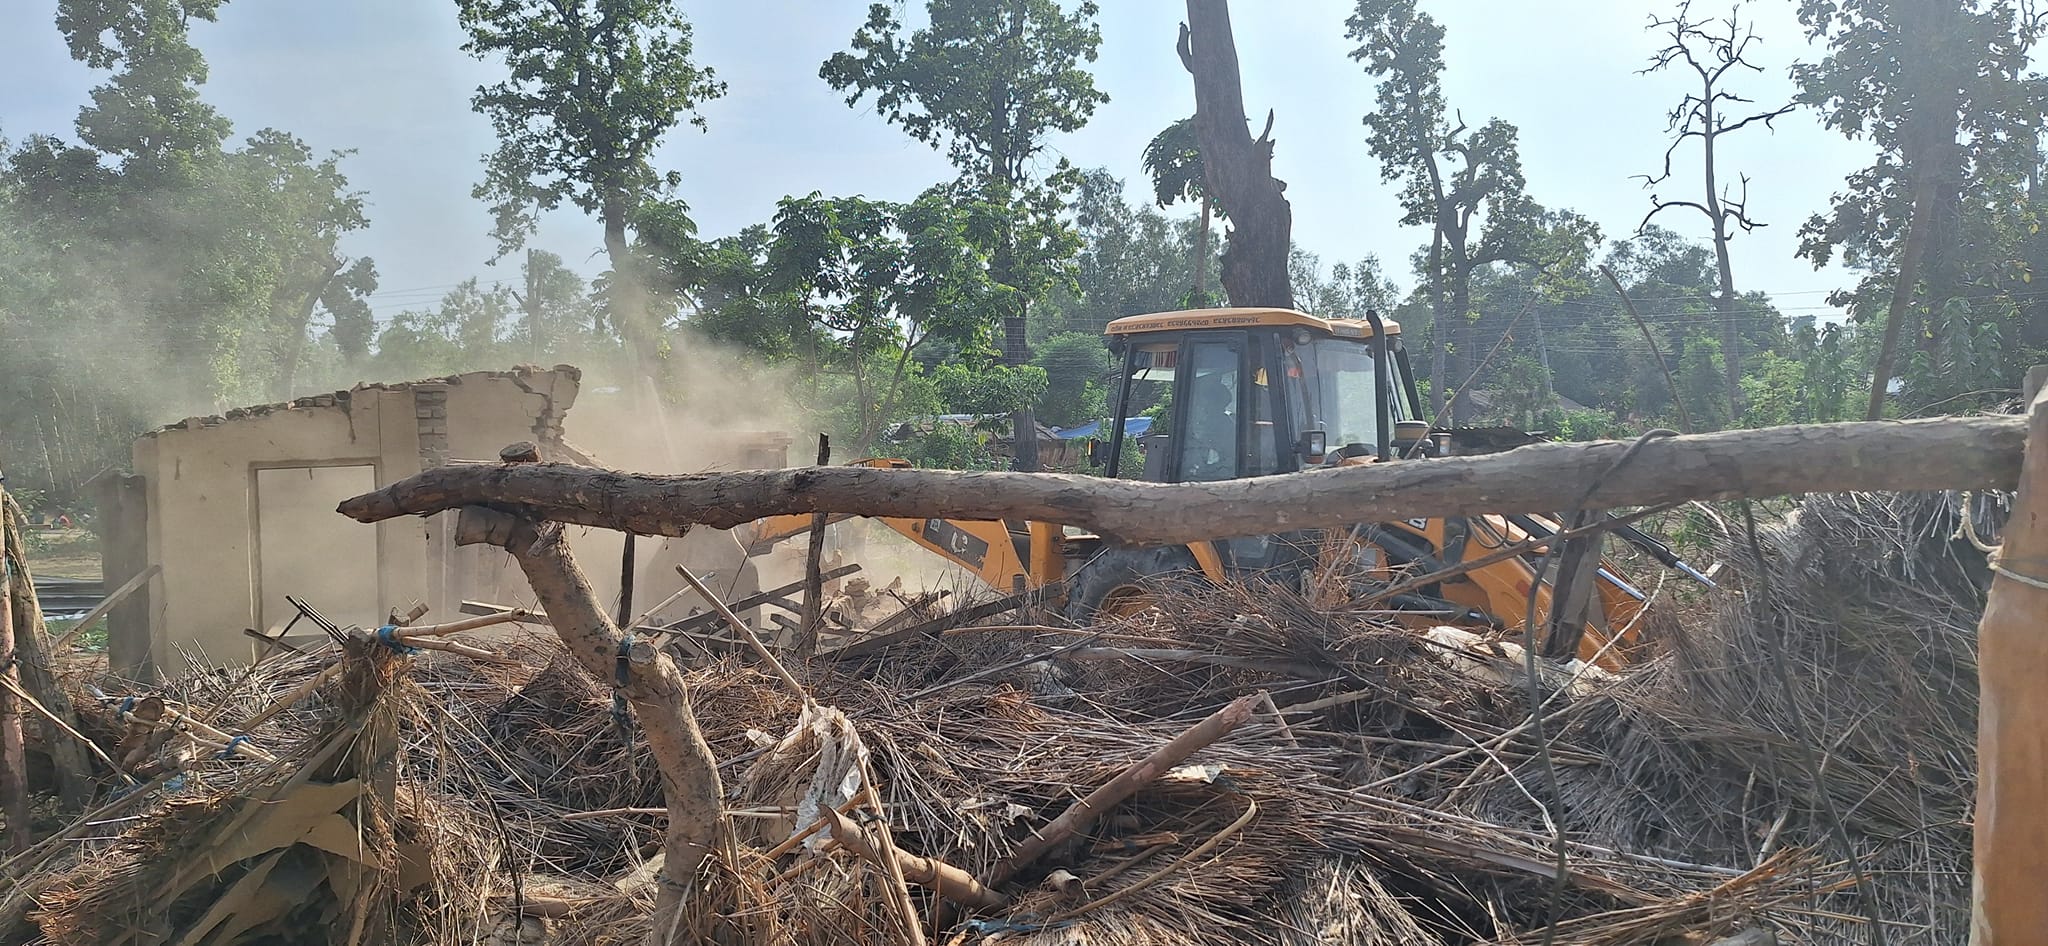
[1947, 212]
[209, 263]
[989, 81]
[594, 87]
[1466, 184]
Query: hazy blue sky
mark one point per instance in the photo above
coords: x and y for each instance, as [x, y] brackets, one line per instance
[386, 78]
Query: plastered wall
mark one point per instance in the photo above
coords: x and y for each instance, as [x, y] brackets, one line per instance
[239, 512]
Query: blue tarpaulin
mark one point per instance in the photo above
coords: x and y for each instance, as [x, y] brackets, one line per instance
[1133, 427]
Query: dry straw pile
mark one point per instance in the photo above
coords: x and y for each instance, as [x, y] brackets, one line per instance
[1792, 757]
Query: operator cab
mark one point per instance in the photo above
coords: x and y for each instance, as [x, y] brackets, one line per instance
[1234, 393]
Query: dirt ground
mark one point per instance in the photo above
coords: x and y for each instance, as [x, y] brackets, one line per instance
[67, 553]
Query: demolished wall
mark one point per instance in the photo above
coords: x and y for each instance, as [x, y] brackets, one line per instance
[237, 509]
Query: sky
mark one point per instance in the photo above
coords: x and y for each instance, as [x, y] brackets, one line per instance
[388, 80]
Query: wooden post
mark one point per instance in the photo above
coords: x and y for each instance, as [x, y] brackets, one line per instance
[33, 645]
[627, 566]
[13, 754]
[2012, 721]
[814, 585]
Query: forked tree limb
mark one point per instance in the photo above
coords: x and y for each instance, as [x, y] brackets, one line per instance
[697, 826]
[1933, 454]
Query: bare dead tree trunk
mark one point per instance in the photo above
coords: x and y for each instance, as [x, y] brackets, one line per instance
[1948, 453]
[1236, 168]
[1440, 326]
[1201, 296]
[1724, 293]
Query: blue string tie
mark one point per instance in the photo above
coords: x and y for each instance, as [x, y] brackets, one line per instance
[388, 636]
[229, 751]
[127, 706]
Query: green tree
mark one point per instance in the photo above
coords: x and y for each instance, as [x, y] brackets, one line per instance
[878, 281]
[148, 116]
[212, 260]
[1941, 88]
[595, 85]
[1466, 184]
[307, 207]
[1076, 366]
[989, 81]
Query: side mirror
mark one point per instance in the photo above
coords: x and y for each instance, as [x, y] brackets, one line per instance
[1312, 446]
[1098, 453]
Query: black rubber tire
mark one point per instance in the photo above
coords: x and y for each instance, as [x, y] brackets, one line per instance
[1119, 567]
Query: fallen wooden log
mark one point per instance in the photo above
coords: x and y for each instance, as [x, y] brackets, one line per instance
[1081, 814]
[41, 690]
[1944, 453]
[107, 604]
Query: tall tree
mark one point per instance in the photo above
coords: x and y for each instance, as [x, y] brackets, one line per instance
[595, 85]
[1237, 169]
[990, 81]
[1711, 50]
[1940, 87]
[148, 115]
[1466, 184]
[1173, 158]
[308, 207]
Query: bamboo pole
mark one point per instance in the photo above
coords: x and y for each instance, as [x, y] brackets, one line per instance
[2012, 721]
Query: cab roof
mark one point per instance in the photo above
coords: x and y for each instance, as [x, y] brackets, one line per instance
[1244, 317]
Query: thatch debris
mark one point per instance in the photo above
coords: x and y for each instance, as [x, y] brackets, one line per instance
[1248, 765]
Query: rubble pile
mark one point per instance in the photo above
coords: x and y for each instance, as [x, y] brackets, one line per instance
[1786, 760]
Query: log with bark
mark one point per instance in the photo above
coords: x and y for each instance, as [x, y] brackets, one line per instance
[1932, 454]
[14, 801]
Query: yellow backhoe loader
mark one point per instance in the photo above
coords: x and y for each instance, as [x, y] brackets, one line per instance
[1244, 392]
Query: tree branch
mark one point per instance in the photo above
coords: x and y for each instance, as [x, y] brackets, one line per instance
[1950, 453]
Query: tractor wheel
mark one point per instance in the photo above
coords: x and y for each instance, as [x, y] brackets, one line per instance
[1121, 582]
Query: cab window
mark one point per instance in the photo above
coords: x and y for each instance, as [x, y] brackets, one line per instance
[1208, 408]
